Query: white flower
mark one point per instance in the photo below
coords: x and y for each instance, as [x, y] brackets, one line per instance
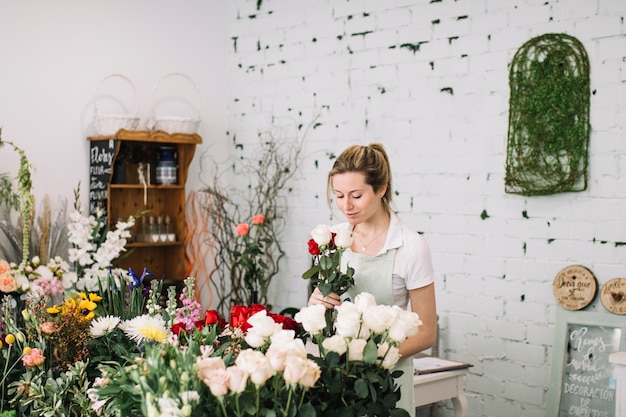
[237, 379]
[69, 279]
[335, 344]
[321, 234]
[406, 325]
[390, 355]
[169, 407]
[44, 272]
[348, 322]
[313, 318]
[301, 371]
[103, 326]
[355, 349]
[343, 238]
[145, 327]
[380, 318]
[364, 301]
[255, 364]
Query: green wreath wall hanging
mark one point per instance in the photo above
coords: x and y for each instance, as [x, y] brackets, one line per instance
[548, 137]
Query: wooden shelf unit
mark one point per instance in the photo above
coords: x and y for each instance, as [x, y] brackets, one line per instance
[125, 196]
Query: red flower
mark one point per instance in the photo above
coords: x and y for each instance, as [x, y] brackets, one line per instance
[242, 229]
[239, 315]
[178, 329]
[313, 248]
[213, 317]
[258, 219]
[287, 322]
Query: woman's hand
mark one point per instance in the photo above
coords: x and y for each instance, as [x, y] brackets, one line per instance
[332, 300]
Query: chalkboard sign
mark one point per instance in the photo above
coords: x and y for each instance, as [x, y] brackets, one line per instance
[582, 380]
[101, 154]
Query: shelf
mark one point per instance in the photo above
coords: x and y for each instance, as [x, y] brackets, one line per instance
[152, 244]
[149, 186]
[157, 136]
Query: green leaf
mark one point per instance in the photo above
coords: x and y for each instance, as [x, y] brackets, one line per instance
[370, 353]
[361, 388]
[311, 272]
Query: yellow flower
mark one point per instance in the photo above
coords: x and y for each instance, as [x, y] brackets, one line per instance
[1, 344]
[53, 310]
[87, 305]
[10, 339]
[94, 297]
[27, 350]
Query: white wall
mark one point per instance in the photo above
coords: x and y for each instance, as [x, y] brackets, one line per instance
[53, 56]
[342, 60]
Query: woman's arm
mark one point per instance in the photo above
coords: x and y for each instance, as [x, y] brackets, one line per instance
[423, 303]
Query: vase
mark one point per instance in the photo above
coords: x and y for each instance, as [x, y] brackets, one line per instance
[254, 297]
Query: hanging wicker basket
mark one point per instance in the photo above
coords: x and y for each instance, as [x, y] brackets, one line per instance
[107, 124]
[176, 124]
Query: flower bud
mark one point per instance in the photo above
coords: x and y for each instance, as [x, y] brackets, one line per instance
[26, 315]
[10, 339]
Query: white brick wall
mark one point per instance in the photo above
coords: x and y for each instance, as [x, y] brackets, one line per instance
[350, 62]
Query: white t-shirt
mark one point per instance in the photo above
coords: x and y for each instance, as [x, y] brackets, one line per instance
[412, 266]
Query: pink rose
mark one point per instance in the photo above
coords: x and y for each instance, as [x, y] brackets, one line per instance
[242, 229]
[4, 266]
[34, 358]
[258, 219]
[7, 283]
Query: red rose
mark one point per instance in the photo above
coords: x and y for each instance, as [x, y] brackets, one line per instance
[212, 317]
[313, 248]
[239, 315]
[287, 322]
[178, 329]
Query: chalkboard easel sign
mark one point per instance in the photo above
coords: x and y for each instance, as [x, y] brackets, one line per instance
[101, 155]
[582, 381]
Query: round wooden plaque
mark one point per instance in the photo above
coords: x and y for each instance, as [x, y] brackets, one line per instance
[575, 287]
[613, 295]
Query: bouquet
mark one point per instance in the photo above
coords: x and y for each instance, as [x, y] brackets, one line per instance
[358, 358]
[327, 248]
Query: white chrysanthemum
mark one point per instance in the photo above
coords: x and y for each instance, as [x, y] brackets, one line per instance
[103, 326]
[145, 327]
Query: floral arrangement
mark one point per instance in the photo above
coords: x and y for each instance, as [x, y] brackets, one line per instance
[358, 357]
[49, 279]
[327, 248]
[94, 248]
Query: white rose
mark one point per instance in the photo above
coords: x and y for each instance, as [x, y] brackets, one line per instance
[263, 324]
[254, 339]
[406, 325]
[321, 235]
[237, 379]
[364, 301]
[313, 318]
[348, 321]
[380, 318]
[390, 355]
[355, 349]
[255, 364]
[277, 358]
[285, 341]
[301, 371]
[217, 381]
[335, 344]
[343, 238]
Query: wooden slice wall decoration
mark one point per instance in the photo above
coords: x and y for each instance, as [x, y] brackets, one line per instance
[575, 287]
[613, 295]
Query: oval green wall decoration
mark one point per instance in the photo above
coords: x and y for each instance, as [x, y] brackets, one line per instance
[548, 136]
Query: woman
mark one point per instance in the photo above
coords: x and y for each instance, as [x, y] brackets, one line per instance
[391, 260]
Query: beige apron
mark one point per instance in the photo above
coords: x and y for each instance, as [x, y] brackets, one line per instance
[373, 274]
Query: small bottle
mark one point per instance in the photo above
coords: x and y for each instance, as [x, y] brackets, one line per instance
[161, 229]
[169, 230]
[153, 230]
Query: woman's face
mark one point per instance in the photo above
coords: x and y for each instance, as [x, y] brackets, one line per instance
[356, 199]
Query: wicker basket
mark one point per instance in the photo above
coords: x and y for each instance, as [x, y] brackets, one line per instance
[176, 124]
[107, 124]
